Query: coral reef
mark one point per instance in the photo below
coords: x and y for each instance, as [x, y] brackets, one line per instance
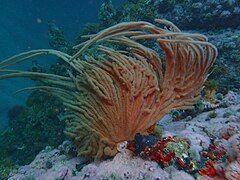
[222, 31]
[196, 14]
[133, 10]
[138, 10]
[217, 19]
[123, 166]
[107, 13]
[49, 164]
[127, 90]
[201, 130]
[30, 129]
[56, 38]
[189, 14]
[226, 70]
[210, 90]
[204, 139]
[176, 152]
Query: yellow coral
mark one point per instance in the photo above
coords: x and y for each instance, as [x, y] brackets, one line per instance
[125, 91]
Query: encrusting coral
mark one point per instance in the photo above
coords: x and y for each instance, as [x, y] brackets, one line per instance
[124, 91]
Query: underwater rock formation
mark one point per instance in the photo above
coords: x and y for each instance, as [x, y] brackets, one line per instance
[112, 94]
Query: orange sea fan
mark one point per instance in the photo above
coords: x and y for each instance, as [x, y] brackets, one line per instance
[122, 92]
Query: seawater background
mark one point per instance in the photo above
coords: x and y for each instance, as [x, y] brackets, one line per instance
[23, 27]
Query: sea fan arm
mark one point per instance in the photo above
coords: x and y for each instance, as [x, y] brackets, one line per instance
[126, 88]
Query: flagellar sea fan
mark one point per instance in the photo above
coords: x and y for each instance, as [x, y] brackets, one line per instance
[125, 79]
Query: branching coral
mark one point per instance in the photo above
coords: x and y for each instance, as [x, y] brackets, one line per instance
[128, 90]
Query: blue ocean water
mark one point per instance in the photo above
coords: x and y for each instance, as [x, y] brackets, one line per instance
[24, 27]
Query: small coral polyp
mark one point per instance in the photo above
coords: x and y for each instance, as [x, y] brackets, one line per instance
[125, 86]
